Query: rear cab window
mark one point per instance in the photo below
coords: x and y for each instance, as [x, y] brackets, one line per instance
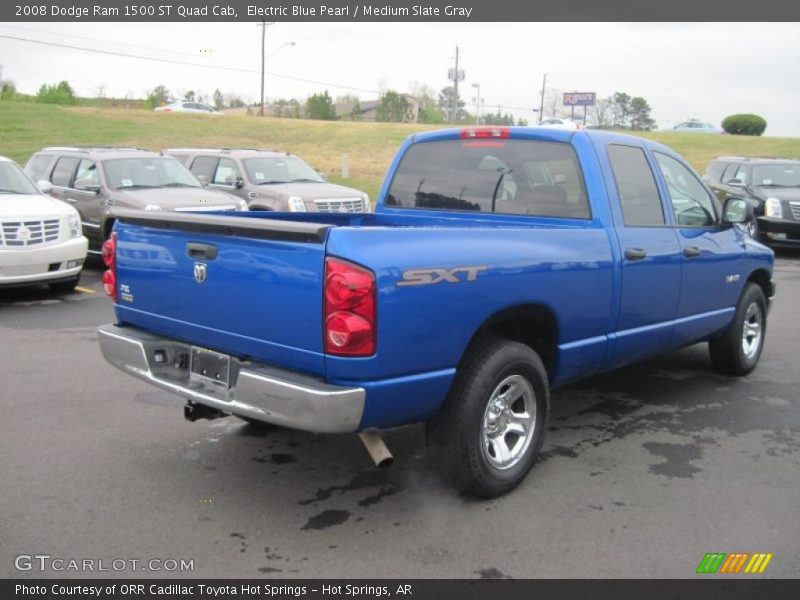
[504, 176]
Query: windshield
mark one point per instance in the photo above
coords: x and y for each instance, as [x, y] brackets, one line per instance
[131, 173]
[518, 177]
[780, 175]
[14, 181]
[279, 169]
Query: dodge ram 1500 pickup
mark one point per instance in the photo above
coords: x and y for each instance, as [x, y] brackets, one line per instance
[499, 263]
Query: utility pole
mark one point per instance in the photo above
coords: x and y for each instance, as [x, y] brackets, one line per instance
[541, 102]
[455, 91]
[455, 76]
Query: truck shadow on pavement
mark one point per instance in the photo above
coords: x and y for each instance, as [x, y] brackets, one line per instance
[675, 407]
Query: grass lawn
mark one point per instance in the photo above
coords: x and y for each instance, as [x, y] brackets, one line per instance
[25, 127]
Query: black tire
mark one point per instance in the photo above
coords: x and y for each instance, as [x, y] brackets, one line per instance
[65, 287]
[460, 433]
[259, 425]
[732, 353]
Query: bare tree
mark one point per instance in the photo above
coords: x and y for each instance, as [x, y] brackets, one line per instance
[554, 104]
[602, 113]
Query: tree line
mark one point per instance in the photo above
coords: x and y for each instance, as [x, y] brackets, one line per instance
[423, 105]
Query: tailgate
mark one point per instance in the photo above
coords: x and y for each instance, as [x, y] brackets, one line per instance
[247, 286]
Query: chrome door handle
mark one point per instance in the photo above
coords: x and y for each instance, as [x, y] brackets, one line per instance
[691, 252]
[635, 254]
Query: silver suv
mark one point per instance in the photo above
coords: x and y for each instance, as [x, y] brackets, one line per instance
[270, 180]
[94, 180]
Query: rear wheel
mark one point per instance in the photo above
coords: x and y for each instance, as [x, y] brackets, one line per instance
[490, 429]
[736, 352]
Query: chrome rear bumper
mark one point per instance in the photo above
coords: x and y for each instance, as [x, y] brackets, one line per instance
[256, 391]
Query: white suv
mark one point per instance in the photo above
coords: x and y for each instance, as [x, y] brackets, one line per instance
[40, 237]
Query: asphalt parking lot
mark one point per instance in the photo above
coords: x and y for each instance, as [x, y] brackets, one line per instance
[644, 471]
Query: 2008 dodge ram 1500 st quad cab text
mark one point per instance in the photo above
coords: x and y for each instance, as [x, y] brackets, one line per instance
[499, 263]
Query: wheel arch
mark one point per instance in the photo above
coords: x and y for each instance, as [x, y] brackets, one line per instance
[762, 279]
[534, 325]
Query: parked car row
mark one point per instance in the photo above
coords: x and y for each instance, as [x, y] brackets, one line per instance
[69, 209]
[47, 227]
[270, 180]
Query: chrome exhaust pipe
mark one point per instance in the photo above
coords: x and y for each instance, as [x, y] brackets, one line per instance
[377, 449]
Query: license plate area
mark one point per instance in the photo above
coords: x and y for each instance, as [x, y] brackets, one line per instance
[207, 366]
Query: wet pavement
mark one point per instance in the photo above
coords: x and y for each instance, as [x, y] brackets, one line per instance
[644, 470]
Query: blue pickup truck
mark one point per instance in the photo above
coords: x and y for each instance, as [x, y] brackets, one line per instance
[499, 263]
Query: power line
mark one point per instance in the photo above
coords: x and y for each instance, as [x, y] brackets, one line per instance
[184, 63]
[82, 37]
[499, 105]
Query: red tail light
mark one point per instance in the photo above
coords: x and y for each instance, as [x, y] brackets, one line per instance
[477, 133]
[110, 260]
[349, 317]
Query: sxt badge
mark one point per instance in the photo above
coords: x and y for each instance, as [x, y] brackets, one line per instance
[431, 276]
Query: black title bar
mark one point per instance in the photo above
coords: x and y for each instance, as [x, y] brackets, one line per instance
[317, 589]
[399, 10]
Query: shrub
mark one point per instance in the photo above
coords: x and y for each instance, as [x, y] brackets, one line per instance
[7, 90]
[744, 124]
[56, 94]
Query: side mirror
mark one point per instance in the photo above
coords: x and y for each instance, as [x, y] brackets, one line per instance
[737, 210]
[44, 186]
[238, 183]
[737, 183]
[323, 174]
[203, 179]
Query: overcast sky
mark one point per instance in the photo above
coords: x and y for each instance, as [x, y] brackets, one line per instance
[701, 70]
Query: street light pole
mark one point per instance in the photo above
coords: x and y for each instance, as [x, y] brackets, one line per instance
[477, 104]
[264, 25]
[541, 103]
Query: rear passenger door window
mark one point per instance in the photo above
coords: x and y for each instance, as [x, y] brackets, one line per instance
[636, 186]
[691, 203]
[204, 166]
[227, 173]
[64, 170]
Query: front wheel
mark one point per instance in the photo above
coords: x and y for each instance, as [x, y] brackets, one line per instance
[65, 287]
[736, 352]
[490, 429]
